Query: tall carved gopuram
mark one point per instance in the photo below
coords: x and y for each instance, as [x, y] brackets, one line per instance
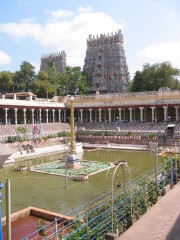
[105, 63]
[58, 59]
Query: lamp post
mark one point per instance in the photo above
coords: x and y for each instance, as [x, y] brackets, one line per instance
[1, 235]
[72, 160]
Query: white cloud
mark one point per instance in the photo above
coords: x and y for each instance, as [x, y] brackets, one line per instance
[162, 52]
[82, 9]
[61, 13]
[4, 58]
[69, 34]
[20, 30]
[173, 13]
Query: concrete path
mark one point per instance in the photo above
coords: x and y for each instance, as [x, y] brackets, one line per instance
[161, 222]
[38, 151]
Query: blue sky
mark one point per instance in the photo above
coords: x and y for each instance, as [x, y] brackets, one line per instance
[29, 28]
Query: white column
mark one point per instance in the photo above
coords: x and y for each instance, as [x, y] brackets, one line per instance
[130, 114]
[64, 115]
[81, 112]
[32, 114]
[153, 119]
[15, 115]
[6, 118]
[120, 116]
[90, 115]
[141, 113]
[47, 110]
[99, 114]
[53, 116]
[177, 113]
[59, 111]
[24, 115]
[109, 109]
[165, 114]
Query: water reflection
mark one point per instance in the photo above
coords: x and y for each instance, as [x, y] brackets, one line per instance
[49, 192]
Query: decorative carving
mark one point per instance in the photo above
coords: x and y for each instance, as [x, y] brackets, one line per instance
[105, 63]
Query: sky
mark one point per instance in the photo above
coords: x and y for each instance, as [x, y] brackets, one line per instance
[31, 28]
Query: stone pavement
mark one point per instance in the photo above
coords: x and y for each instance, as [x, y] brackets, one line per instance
[161, 222]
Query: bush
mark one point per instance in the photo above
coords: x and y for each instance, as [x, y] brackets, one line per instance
[11, 139]
[63, 134]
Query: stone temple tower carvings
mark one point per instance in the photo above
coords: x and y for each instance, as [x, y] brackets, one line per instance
[58, 59]
[105, 63]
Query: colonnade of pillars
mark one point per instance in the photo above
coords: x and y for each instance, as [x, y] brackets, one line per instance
[90, 115]
[53, 115]
[112, 115]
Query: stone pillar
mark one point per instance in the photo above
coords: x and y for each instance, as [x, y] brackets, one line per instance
[90, 115]
[141, 113]
[6, 115]
[81, 114]
[15, 115]
[153, 118]
[99, 114]
[109, 109]
[165, 113]
[24, 115]
[130, 114]
[53, 115]
[120, 116]
[177, 113]
[64, 115]
[59, 111]
[47, 120]
[32, 114]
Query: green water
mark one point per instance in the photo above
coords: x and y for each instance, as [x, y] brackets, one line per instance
[49, 192]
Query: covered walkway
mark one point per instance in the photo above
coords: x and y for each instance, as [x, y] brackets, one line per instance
[161, 222]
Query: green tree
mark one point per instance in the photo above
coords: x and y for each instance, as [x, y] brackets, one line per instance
[43, 87]
[73, 81]
[155, 76]
[6, 81]
[24, 78]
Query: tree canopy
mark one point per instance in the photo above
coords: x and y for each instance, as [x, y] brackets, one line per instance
[52, 83]
[24, 78]
[6, 81]
[49, 83]
[155, 76]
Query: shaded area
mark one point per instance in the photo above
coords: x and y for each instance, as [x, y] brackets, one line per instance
[174, 234]
[5, 153]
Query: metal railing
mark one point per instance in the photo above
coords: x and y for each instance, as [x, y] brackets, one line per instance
[94, 219]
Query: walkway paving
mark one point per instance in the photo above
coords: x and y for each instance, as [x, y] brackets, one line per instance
[38, 151]
[161, 222]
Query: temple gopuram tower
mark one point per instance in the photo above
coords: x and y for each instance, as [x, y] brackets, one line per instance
[105, 63]
[58, 59]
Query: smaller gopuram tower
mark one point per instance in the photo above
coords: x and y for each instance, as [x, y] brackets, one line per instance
[105, 63]
[58, 59]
